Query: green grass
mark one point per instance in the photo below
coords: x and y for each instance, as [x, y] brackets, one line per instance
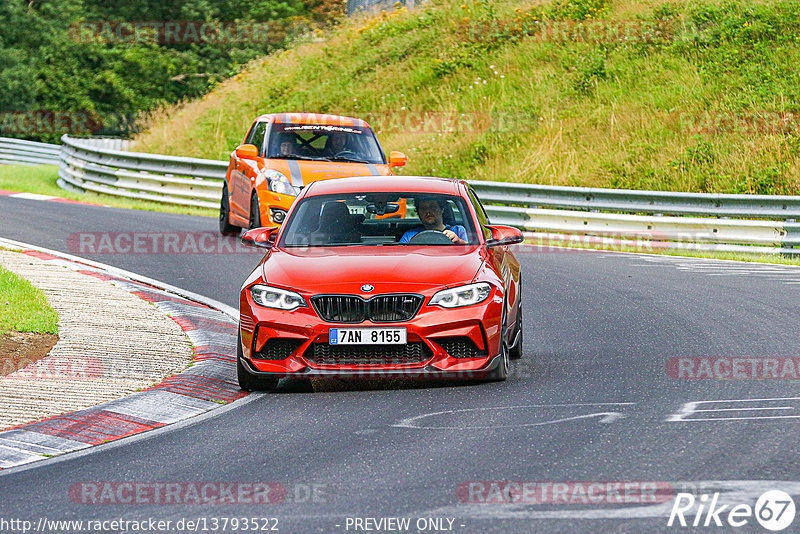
[41, 179]
[625, 114]
[24, 308]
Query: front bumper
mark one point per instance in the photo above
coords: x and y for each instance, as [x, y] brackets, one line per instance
[365, 372]
[433, 326]
[273, 206]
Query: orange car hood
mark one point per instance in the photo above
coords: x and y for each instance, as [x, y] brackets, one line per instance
[303, 172]
[388, 269]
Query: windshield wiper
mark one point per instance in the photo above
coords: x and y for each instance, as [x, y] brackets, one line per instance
[351, 160]
[298, 156]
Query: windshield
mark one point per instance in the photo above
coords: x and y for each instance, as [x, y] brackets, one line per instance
[379, 219]
[322, 142]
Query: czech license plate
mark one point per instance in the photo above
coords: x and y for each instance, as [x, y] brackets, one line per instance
[367, 336]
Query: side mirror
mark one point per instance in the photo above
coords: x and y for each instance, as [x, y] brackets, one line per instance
[260, 237]
[503, 235]
[247, 152]
[397, 159]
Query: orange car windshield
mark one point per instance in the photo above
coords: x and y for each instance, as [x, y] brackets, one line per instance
[378, 219]
[323, 142]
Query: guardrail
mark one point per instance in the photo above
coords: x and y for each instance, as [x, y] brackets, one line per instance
[101, 166]
[584, 211]
[20, 151]
[756, 223]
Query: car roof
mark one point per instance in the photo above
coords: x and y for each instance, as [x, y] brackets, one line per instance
[311, 118]
[379, 184]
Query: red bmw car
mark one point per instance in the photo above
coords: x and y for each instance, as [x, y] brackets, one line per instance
[351, 285]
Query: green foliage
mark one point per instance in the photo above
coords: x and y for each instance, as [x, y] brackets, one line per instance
[578, 9]
[48, 65]
[24, 308]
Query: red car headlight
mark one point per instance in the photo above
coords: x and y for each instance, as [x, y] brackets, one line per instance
[279, 299]
[462, 296]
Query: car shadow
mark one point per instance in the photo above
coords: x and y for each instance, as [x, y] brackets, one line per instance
[332, 384]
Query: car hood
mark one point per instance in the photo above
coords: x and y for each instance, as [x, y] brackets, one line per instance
[304, 172]
[387, 269]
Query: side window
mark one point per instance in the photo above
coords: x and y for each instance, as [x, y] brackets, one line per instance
[256, 136]
[249, 135]
[483, 219]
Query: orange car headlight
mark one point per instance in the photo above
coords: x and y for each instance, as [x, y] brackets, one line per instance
[279, 183]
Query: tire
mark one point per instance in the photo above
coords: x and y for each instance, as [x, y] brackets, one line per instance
[255, 213]
[500, 373]
[247, 381]
[225, 226]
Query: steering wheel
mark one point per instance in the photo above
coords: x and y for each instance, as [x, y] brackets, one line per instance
[430, 237]
[344, 153]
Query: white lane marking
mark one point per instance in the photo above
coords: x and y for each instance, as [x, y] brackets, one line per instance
[785, 274]
[746, 409]
[691, 408]
[605, 417]
[32, 196]
[732, 492]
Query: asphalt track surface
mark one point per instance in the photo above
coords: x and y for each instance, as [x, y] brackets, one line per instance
[590, 401]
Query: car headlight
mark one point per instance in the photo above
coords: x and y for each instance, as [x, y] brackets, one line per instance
[279, 183]
[280, 299]
[462, 296]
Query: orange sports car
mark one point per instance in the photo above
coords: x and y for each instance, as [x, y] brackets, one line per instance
[283, 152]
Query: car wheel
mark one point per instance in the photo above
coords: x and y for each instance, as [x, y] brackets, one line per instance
[247, 381]
[225, 226]
[500, 373]
[255, 212]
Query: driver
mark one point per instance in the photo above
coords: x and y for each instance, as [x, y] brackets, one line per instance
[336, 144]
[429, 211]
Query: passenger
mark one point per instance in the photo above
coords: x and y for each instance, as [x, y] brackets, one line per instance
[336, 226]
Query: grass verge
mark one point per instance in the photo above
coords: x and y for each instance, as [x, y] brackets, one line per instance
[41, 179]
[24, 308]
[682, 95]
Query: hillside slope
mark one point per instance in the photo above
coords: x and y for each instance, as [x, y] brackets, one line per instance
[688, 95]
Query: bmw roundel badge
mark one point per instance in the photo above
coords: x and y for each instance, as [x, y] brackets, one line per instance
[366, 288]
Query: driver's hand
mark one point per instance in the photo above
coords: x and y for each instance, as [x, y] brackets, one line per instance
[453, 237]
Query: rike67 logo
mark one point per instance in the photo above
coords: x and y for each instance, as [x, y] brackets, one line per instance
[774, 510]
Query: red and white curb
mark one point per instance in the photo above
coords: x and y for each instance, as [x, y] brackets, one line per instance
[37, 196]
[209, 383]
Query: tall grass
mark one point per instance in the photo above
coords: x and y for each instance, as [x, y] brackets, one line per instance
[708, 105]
[24, 308]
